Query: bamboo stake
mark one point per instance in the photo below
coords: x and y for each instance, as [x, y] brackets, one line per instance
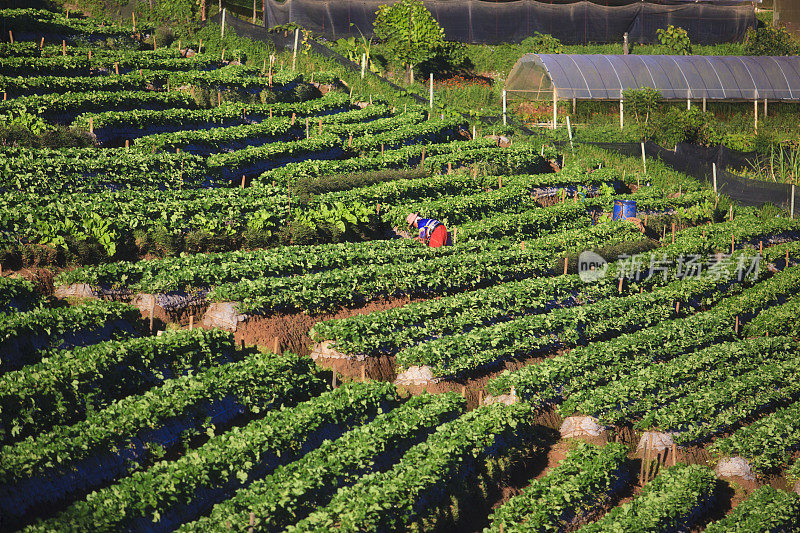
[11, 36]
[41, 44]
[133, 15]
[252, 514]
[276, 346]
[242, 181]
[91, 124]
[191, 322]
[736, 324]
[320, 126]
[673, 233]
[64, 47]
[116, 67]
[566, 262]
[363, 372]
[619, 287]
[675, 451]
[733, 241]
[152, 312]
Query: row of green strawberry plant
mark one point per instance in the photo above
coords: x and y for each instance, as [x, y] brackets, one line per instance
[225, 114]
[192, 271]
[442, 275]
[135, 432]
[295, 490]
[579, 486]
[650, 394]
[17, 294]
[456, 462]
[31, 171]
[39, 21]
[406, 156]
[430, 131]
[483, 348]
[217, 139]
[26, 337]
[172, 492]
[112, 217]
[68, 384]
[67, 106]
[253, 161]
[62, 66]
[765, 509]
[716, 408]
[378, 124]
[778, 320]
[600, 363]
[135, 80]
[673, 501]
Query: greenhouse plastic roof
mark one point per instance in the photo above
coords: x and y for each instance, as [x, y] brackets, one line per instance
[603, 77]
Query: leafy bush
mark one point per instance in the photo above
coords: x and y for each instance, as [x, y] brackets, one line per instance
[643, 101]
[676, 39]
[410, 31]
[541, 43]
[679, 125]
[770, 41]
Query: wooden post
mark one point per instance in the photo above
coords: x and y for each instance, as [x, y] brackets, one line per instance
[64, 47]
[677, 306]
[293, 117]
[350, 141]
[382, 145]
[464, 391]
[155, 47]
[566, 264]
[253, 515]
[242, 181]
[733, 241]
[645, 219]
[621, 112]
[363, 372]
[480, 398]
[152, 312]
[276, 346]
[320, 126]
[455, 235]
[307, 132]
[127, 143]
[191, 322]
[704, 104]
[500, 182]
[224, 16]
[91, 124]
[41, 44]
[333, 380]
[133, 15]
[116, 67]
[736, 324]
[555, 108]
[423, 157]
[760, 247]
[11, 36]
[619, 287]
[223, 55]
[200, 47]
[449, 166]
[673, 233]
[730, 213]
[254, 21]
[791, 203]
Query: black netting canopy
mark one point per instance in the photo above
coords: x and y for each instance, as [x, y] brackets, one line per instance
[604, 77]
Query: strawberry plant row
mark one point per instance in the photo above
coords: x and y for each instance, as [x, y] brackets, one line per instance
[768, 443]
[137, 431]
[578, 486]
[459, 454]
[65, 107]
[172, 492]
[17, 294]
[188, 272]
[674, 500]
[26, 337]
[295, 490]
[588, 367]
[645, 393]
[64, 387]
[226, 113]
[766, 509]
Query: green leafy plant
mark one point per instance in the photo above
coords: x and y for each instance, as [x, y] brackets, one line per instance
[644, 101]
[676, 39]
[768, 40]
[409, 31]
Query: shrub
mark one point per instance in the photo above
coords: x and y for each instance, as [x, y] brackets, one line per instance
[541, 43]
[642, 101]
[676, 39]
[770, 41]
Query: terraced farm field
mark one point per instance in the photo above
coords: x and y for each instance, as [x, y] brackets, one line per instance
[235, 339]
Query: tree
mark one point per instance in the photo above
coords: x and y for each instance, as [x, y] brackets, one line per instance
[410, 31]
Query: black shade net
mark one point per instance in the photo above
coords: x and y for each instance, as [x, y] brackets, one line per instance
[487, 22]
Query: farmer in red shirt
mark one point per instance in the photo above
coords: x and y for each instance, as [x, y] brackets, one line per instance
[431, 231]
